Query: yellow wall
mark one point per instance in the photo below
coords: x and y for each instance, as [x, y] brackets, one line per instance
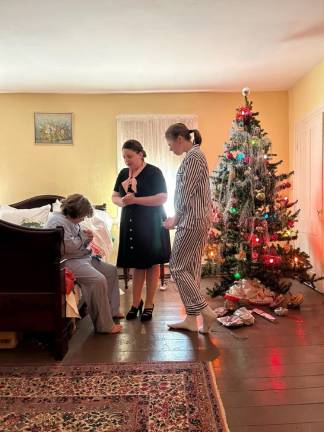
[304, 97]
[89, 166]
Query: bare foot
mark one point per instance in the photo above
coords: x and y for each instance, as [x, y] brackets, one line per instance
[190, 323]
[116, 328]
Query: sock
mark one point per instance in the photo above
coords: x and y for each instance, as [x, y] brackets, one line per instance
[209, 318]
[190, 323]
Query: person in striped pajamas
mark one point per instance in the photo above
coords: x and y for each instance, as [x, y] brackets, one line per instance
[192, 221]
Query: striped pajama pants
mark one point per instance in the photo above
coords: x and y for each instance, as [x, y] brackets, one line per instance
[185, 266]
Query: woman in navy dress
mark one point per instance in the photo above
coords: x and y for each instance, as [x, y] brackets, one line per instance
[144, 244]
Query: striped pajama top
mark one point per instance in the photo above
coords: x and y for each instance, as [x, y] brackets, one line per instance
[192, 200]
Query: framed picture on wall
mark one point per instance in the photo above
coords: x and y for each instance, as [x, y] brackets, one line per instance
[53, 128]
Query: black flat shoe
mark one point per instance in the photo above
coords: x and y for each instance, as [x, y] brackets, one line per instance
[132, 313]
[147, 314]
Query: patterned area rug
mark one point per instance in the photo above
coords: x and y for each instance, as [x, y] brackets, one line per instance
[122, 397]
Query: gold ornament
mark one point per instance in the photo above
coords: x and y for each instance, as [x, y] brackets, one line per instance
[260, 196]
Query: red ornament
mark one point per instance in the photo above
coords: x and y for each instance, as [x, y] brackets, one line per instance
[247, 160]
[229, 155]
[243, 113]
[255, 255]
[274, 237]
[291, 223]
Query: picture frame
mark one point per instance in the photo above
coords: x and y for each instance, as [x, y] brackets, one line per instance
[53, 128]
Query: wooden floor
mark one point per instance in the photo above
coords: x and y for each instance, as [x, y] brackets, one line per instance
[271, 377]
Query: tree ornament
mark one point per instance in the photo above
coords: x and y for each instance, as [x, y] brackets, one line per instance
[233, 210]
[229, 155]
[240, 157]
[237, 275]
[245, 91]
[260, 196]
[286, 234]
[255, 141]
[255, 256]
[243, 114]
[247, 160]
[247, 172]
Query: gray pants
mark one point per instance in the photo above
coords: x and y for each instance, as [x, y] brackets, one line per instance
[100, 290]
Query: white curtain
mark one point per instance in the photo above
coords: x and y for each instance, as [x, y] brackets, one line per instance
[149, 130]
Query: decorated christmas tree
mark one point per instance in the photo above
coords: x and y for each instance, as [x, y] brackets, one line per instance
[254, 220]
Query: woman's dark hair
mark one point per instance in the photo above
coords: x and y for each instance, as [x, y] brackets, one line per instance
[180, 129]
[135, 146]
[76, 206]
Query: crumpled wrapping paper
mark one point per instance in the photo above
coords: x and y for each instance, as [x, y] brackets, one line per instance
[281, 311]
[240, 317]
[245, 315]
[231, 321]
[251, 290]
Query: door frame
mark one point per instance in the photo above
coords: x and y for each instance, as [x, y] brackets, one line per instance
[299, 125]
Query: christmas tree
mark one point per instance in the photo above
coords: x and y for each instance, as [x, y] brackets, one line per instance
[254, 220]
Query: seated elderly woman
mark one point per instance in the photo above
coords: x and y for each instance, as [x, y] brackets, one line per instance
[98, 280]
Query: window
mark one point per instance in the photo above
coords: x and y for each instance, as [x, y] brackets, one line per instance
[150, 130]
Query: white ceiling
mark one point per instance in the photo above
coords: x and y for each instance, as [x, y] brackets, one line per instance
[157, 45]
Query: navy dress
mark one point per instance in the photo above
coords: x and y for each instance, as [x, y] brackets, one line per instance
[143, 242]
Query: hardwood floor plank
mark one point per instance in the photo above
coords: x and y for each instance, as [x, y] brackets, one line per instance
[262, 371]
[305, 427]
[273, 397]
[275, 415]
[282, 383]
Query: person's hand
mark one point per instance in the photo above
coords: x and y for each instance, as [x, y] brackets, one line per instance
[169, 223]
[129, 199]
[89, 234]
